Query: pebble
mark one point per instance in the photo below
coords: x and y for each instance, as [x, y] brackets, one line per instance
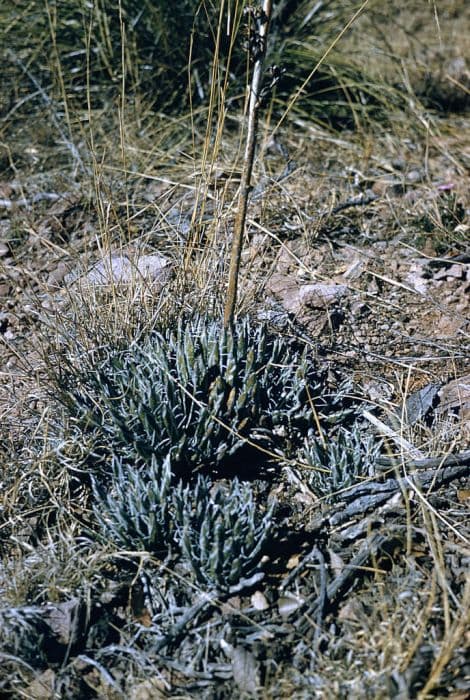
[57, 275]
[453, 272]
[414, 176]
[399, 163]
[456, 271]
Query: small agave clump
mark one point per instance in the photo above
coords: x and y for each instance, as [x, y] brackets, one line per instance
[346, 456]
[196, 393]
[217, 531]
[23, 632]
[136, 511]
[221, 534]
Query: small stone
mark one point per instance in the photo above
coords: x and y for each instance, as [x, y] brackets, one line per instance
[6, 189]
[455, 395]
[386, 184]
[117, 268]
[258, 601]
[399, 163]
[58, 274]
[414, 176]
[354, 270]
[42, 688]
[67, 621]
[245, 669]
[288, 603]
[380, 245]
[151, 689]
[4, 250]
[453, 272]
[358, 308]
[456, 271]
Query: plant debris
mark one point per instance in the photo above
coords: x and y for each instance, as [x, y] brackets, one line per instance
[276, 509]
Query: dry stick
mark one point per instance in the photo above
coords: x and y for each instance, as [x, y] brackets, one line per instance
[261, 34]
[341, 583]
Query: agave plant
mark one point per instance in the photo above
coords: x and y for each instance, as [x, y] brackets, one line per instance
[136, 512]
[220, 532]
[217, 530]
[197, 393]
[346, 456]
[23, 635]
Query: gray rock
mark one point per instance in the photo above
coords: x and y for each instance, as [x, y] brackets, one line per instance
[42, 687]
[414, 176]
[118, 268]
[66, 621]
[310, 304]
[320, 295]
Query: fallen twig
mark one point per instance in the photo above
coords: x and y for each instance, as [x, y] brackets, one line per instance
[28, 202]
[398, 439]
[370, 495]
[179, 628]
[322, 596]
[360, 200]
[343, 581]
[428, 463]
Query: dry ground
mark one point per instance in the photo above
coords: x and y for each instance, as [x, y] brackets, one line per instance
[356, 245]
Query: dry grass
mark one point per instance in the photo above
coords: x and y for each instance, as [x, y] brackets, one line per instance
[137, 172]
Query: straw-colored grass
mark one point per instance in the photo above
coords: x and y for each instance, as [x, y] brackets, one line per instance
[132, 123]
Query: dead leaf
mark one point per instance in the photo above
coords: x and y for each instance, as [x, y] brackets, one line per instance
[293, 562]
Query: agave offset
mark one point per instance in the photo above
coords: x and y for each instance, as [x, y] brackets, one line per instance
[221, 532]
[136, 510]
[346, 456]
[217, 530]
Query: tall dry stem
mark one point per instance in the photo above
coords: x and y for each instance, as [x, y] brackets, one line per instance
[258, 48]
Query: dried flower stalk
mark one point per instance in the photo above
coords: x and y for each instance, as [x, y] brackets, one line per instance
[258, 50]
